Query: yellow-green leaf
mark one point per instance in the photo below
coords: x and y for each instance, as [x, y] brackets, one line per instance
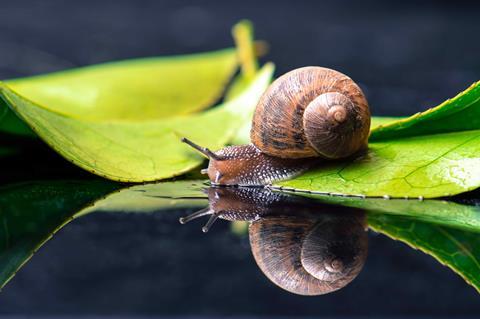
[381, 121]
[135, 90]
[137, 151]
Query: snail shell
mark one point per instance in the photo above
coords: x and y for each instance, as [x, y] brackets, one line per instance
[309, 112]
[310, 255]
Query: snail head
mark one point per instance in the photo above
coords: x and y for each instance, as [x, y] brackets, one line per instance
[226, 203]
[222, 169]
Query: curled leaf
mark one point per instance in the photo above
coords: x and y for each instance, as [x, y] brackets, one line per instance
[138, 151]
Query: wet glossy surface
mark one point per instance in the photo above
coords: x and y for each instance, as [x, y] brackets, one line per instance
[130, 246]
[407, 57]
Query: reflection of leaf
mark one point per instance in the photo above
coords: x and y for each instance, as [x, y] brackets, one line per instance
[436, 154]
[439, 228]
[138, 151]
[448, 231]
[150, 198]
[5, 151]
[451, 214]
[31, 212]
[457, 249]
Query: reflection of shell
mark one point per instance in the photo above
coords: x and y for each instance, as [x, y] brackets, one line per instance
[309, 256]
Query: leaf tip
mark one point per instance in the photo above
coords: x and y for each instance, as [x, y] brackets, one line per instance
[243, 35]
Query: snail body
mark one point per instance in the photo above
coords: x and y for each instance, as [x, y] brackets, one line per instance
[247, 165]
[306, 115]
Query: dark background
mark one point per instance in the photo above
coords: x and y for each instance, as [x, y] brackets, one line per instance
[407, 56]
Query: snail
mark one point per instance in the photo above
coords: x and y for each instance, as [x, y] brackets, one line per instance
[302, 246]
[307, 115]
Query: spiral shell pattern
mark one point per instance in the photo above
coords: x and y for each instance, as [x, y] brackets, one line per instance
[309, 112]
[309, 256]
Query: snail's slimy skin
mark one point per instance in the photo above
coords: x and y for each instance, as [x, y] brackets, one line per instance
[246, 165]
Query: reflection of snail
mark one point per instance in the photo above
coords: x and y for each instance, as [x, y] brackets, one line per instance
[296, 244]
[307, 114]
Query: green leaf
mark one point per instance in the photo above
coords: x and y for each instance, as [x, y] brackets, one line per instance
[457, 249]
[133, 90]
[436, 154]
[461, 113]
[382, 120]
[124, 120]
[32, 212]
[244, 40]
[10, 123]
[138, 151]
[427, 166]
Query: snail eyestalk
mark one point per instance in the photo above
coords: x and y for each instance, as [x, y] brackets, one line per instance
[205, 151]
[200, 213]
[210, 222]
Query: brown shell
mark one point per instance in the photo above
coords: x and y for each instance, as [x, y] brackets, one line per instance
[279, 126]
[309, 256]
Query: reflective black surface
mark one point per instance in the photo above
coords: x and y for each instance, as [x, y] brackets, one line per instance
[407, 57]
[128, 254]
